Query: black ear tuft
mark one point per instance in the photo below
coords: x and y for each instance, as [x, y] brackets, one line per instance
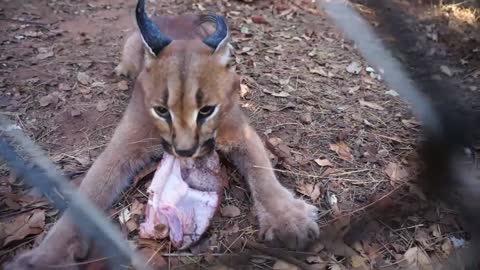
[221, 33]
[153, 38]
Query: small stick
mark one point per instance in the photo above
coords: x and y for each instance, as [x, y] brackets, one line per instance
[278, 254]
[22, 21]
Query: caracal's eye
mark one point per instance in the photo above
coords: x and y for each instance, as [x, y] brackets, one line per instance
[161, 111]
[206, 111]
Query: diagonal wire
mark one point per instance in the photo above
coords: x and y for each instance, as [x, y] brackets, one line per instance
[372, 49]
[30, 163]
[375, 52]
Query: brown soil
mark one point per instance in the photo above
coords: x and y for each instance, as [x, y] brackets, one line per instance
[57, 83]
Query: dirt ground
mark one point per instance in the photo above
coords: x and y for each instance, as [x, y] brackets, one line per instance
[337, 135]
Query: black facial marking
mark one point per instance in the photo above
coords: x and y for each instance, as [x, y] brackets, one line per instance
[199, 97]
[167, 147]
[208, 146]
[165, 96]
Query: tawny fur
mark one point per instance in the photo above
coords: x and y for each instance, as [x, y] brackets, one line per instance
[173, 80]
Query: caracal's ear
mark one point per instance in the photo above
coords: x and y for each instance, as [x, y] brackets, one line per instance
[153, 39]
[218, 40]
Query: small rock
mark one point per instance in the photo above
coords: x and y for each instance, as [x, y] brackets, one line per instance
[122, 85]
[64, 87]
[98, 84]
[47, 100]
[102, 105]
[83, 78]
[230, 211]
[306, 118]
[44, 53]
[354, 68]
[75, 112]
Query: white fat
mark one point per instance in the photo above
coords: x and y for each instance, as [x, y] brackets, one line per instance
[167, 185]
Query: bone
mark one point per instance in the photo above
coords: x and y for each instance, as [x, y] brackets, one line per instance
[183, 197]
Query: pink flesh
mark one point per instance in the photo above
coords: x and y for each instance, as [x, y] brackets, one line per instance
[183, 196]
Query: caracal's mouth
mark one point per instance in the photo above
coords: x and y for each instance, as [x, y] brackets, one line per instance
[183, 197]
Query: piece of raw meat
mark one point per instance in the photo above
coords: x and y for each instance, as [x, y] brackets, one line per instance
[183, 197]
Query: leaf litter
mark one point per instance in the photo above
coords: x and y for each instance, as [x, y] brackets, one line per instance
[310, 102]
[22, 226]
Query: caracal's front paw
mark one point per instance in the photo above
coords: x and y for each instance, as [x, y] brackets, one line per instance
[292, 222]
[49, 257]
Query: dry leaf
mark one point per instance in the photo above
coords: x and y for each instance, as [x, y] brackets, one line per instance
[395, 171]
[230, 211]
[446, 70]
[98, 84]
[23, 226]
[280, 94]
[422, 237]
[417, 257]
[392, 93]
[132, 225]
[259, 20]
[358, 262]
[323, 162]
[244, 90]
[337, 267]
[281, 265]
[313, 191]
[447, 247]
[410, 123]
[435, 230]
[102, 105]
[314, 259]
[353, 89]
[32, 34]
[44, 53]
[274, 141]
[342, 150]
[371, 105]
[137, 208]
[320, 71]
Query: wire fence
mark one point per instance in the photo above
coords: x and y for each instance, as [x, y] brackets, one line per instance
[30, 163]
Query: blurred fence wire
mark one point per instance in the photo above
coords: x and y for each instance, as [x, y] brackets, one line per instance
[443, 149]
[30, 163]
